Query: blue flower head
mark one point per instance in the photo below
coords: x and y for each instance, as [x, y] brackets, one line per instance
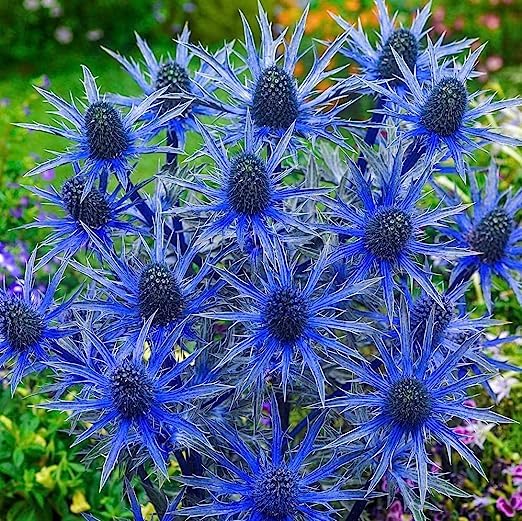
[97, 210]
[104, 139]
[401, 478]
[378, 62]
[271, 93]
[489, 229]
[175, 77]
[133, 398]
[27, 324]
[289, 319]
[452, 325]
[385, 234]
[439, 114]
[412, 399]
[274, 485]
[136, 290]
[246, 194]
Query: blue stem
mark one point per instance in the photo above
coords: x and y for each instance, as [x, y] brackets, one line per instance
[172, 164]
[155, 495]
[413, 154]
[104, 180]
[357, 510]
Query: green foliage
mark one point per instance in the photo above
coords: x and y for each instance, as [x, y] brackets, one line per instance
[226, 24]
[15, 201]
[41, 477]
[35, 33]
[30, 29]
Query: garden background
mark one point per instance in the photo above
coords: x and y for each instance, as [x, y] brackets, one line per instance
[43, 42]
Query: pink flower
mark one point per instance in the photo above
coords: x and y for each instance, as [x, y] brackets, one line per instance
[516, 473]
[266, 414]
[467, 436]
[510, 507]
[491, 21]
[494, 63]
[459, 23]
[48, 175]
[474, 433]
[395, 511]
[438, 14]
[516, 501]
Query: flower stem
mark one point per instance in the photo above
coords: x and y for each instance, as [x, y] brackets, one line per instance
[371, 133]
[156, 497]
[172, 166]
[284, 406]
[413, 154]
[358, 508]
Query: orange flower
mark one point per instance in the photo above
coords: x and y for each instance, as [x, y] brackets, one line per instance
[315, 21]
[289, 16]
[369, 19]
[352, 5]
[299, 69]
[324, 85]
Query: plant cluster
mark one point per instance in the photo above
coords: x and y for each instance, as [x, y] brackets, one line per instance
[278, 330]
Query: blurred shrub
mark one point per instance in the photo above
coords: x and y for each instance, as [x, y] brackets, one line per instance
[494, 21]
[16, 203]
[218, 20]
[41, 478]
[34, 29]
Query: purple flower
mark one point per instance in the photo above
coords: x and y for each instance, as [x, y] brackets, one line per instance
[516, 473]
[48, 175]
[510, 507]
[395, 512]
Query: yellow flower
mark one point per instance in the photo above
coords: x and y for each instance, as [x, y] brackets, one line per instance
[179, 354]
[45, 476]
[39, 440]
[8, 424]
[79, 503]
[147, 511]
[146, 351]
[174, 468]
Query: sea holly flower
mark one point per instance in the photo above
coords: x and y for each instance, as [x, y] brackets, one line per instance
[135, 290]
[97, 210]
[176, 78]
[289, 320]
[439, 114]
[452, 323]
[246, 193]
[377, 61]
[273, 485]
[132, 399]
[388, 230]
[271, 93]
[104, 139]
[489, 229]
[401, 478]
[413, 399]
[28, 328]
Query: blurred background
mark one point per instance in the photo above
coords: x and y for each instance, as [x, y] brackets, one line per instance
[43, 42]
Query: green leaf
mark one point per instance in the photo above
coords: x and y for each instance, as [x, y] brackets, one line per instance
[18, 457]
